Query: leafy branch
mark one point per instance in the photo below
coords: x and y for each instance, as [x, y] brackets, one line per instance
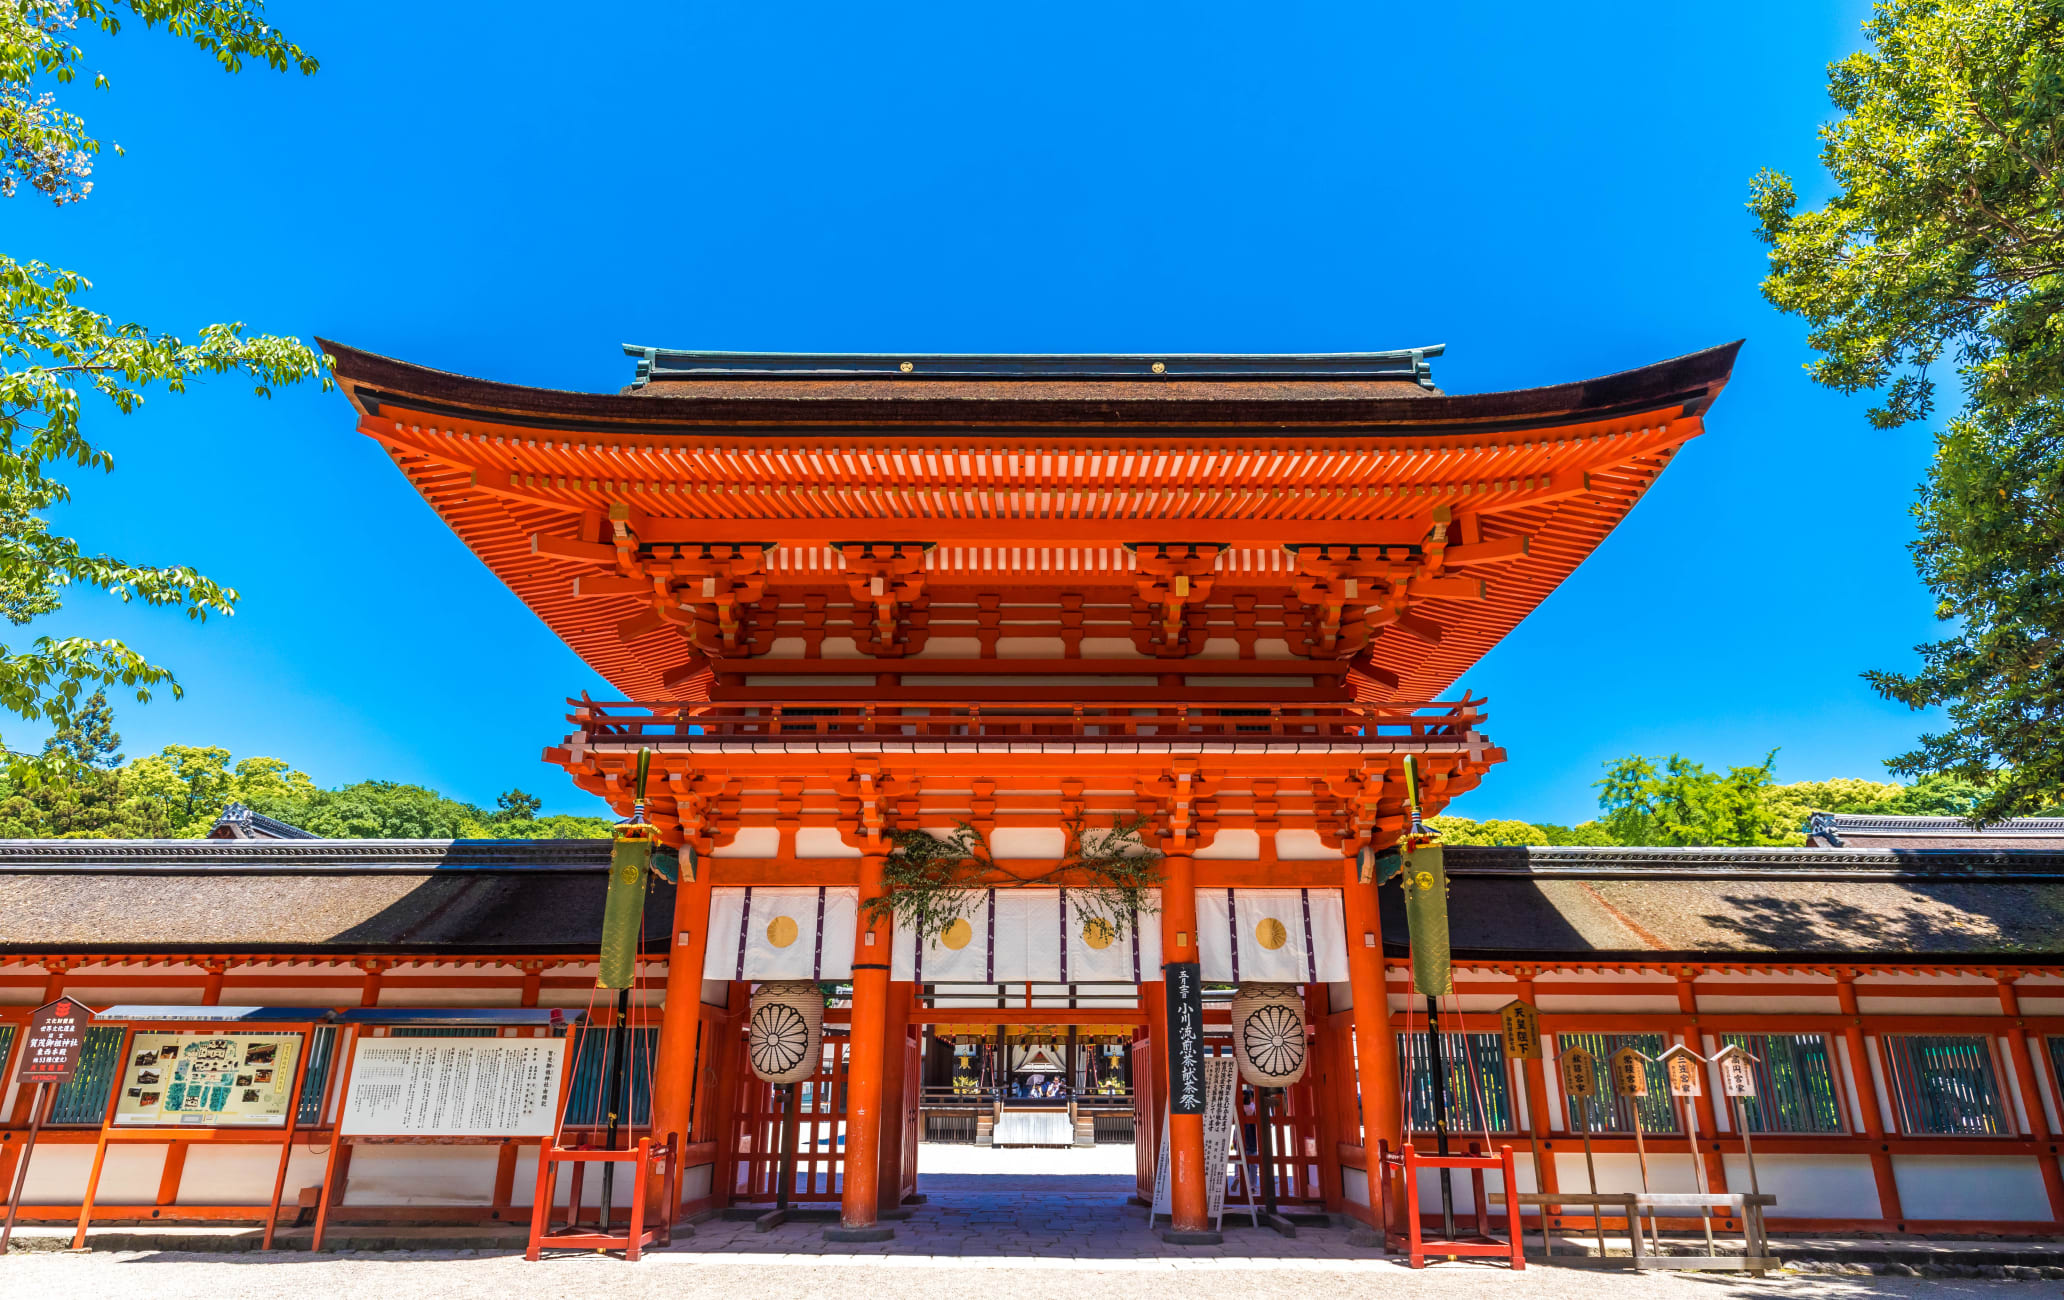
[930, 881]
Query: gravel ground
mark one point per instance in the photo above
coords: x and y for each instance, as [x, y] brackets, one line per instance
[439, 1276]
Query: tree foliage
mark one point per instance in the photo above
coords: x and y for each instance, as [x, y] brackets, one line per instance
[180, 792]
[58, 354]
[1943, 246]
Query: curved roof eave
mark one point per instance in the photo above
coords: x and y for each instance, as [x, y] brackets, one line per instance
[1689, 382]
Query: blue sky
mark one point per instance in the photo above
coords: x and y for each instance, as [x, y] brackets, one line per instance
[514, 191]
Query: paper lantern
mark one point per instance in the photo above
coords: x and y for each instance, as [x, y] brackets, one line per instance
[1268, 1034]
[784, 1031]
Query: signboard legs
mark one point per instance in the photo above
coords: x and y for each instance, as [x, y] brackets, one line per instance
[21, 1169]
[1591, 1172]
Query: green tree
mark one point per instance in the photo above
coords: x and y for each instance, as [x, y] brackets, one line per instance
[516, 806]
[1943, 244]
[56, 352]
[1679, 802]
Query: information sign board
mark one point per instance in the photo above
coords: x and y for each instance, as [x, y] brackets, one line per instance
[209, 1079]
[56, 1033]
[1736, 1078]
[1579, 1073]
[1522, 1025]
[1629, 1073]
[1185, 1037]
[1684, 1074]
[1221, 1085]
[454, 1087]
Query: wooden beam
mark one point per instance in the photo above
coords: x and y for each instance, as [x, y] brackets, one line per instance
[610, 584]
[572, 549]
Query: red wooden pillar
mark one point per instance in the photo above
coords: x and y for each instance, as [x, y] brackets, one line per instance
[1376, 1056]
[1322, 1081]
[673, 1073]
[1187, 1203]
[2031, 1096]
[1866, 1086]
[860, 1197]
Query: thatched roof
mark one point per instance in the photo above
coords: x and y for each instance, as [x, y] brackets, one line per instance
[488, 897]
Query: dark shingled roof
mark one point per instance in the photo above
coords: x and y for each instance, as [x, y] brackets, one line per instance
[1856, 831]
[487, 897]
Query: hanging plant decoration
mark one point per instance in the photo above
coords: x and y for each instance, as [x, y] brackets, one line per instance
[931, 881]
[1268, 1034]
[784, 1032]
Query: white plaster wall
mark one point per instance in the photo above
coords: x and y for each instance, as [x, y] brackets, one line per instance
[696, 1181]
[1303, 846]
[752, 842]
[822, 842]
[1354, 1185]
[1030, 647]
[105, 996]
[1970, 1187]
[242, 1174]
[1775, 1006]
[423, 1175]
[958, 647]
[57, 1174]
[1624, 1003]
[1238, 843]
[1465, 1190]
[406, 996]
[1622, 1173]
[1028, 842]
[1810, 1187]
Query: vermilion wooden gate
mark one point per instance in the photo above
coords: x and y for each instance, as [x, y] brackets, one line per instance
[820, 1132]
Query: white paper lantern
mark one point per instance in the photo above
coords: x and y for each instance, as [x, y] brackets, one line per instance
[1268, 1034]
[784, 1031]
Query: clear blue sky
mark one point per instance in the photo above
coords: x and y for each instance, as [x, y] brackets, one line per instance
[512, 191]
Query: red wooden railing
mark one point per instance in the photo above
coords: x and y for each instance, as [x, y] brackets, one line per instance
[618, 722]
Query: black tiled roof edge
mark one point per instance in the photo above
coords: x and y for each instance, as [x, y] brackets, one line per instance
[347, 856]
[1822, 823]
[281, 856]
[256, 825]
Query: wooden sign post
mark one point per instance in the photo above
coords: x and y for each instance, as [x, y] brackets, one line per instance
[50, 1054]
[1684, 1067]
[1738, 1082]
[1580, 1079]
[1630, 1080]
[1522, 1040]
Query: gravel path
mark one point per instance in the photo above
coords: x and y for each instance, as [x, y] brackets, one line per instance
[862, 1276]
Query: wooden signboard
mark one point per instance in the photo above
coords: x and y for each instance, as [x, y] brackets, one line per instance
[56, 1033]
[1185, 1038]
[50, 1054]
[1736, 1078]
[1522, 1026]
[1579, 1073]
[1629, 1073]
[1684, 1073]
[210, 1079]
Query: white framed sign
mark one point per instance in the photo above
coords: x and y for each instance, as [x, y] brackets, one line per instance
[454, 1087]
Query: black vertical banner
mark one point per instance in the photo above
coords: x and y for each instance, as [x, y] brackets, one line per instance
[1185, 1038]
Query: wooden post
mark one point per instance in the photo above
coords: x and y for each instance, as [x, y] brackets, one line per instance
[338, 1165]
[1188, 1166]
[100, 1147]
[1865, 1083]
[279, 1176]
[2031, 1096]
[680, 1019]
[21, 1168]
[859, 1201]
[1375, 1045]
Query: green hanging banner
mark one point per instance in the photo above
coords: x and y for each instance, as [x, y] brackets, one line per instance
[623, 913]
[1425, 881]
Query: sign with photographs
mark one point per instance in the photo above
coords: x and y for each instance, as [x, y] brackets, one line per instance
[454, 1087]
[207, 1079]
[57, 1032]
